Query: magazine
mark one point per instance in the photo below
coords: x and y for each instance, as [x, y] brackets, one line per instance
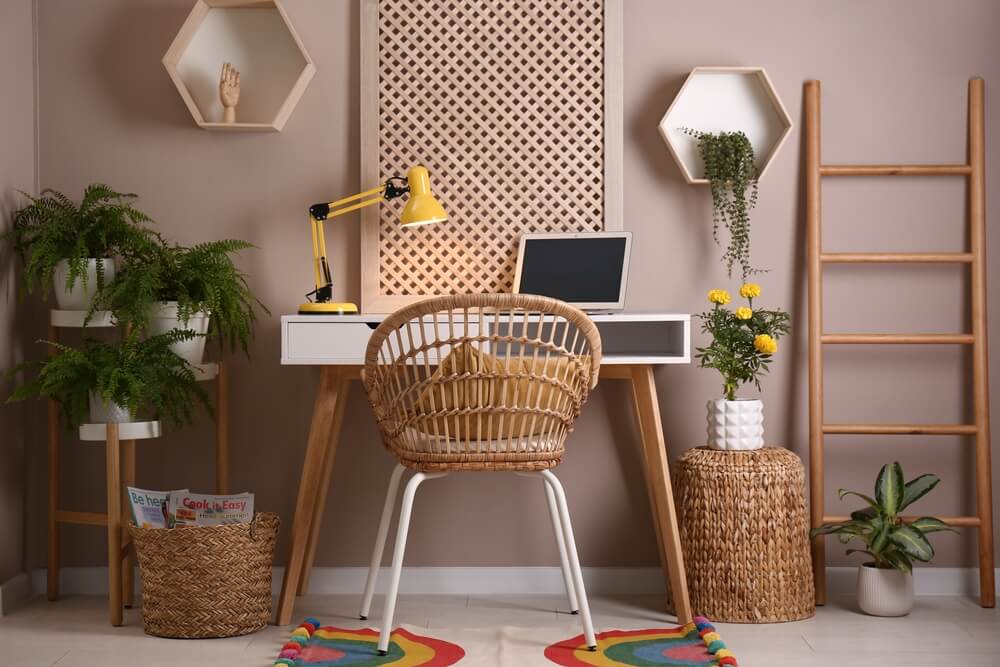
[149, 508]
[195, 509]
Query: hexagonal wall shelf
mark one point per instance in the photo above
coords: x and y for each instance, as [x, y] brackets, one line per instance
[725, 99]
[259, 40]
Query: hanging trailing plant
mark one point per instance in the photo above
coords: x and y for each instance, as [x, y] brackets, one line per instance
[732, 175]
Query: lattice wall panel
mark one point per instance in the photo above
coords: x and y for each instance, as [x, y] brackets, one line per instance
[503, 101]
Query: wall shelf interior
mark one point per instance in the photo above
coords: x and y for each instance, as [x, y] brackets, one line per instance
[257, 37]
[725, 99]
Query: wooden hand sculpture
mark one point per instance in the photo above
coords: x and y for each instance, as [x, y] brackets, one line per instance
[229, 92]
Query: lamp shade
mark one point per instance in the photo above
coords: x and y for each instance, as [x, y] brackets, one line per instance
[421, 208]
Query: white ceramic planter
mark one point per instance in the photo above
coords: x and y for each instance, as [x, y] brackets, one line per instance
[103, 412]
[80, 296]
[735, 425]
[884, 592]
[164, 318]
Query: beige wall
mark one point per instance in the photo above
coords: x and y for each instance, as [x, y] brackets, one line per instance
[17, 172]
[894, 75]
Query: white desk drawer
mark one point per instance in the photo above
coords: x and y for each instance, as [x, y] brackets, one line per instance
[344, 343]
[325, 342]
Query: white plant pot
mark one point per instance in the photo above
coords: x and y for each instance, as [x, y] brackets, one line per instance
[884, 592]
[164, 318]
[735, 425]
[81, 295]
[103, 412]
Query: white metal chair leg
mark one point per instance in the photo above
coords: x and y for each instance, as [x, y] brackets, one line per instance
[383, 531]
[557, 528]
[567, 574]
[574, 559]
[397, 556]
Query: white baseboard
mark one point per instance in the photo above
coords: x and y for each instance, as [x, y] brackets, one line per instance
[494, 581]
[14, 592]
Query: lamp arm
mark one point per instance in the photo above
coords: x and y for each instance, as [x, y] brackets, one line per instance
[318, 213]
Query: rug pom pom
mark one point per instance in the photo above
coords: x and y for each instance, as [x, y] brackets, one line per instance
[710, 637]
[715, 645]
[294, 645]
[284, 662]
[288, 653]
[301, 632]
[312, 621]
[728, 660]
[723, 653]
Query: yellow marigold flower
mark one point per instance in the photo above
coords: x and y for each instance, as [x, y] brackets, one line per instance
[744, 313]
[750, 291]
[765, 344]
[719, 296]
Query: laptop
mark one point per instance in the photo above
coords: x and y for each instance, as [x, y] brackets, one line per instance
[587, 270]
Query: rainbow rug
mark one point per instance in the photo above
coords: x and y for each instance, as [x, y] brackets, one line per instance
[693, 645]
[327, 646]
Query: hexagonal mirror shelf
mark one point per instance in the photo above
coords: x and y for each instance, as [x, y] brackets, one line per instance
[257, 38]
[725, 99]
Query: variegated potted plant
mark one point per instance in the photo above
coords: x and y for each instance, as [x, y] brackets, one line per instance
[885, 583]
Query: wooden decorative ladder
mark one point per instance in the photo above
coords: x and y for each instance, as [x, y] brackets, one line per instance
[974, 170]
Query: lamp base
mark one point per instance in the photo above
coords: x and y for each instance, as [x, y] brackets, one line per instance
[328, 308]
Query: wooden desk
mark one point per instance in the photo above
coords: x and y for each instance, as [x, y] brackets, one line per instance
[633, 344]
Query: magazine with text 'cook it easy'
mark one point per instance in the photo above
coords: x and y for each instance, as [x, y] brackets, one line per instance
[195, 509]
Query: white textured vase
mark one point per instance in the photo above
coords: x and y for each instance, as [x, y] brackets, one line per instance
[735, 425]
[164, 318]
[884, 592]
[81, 295]
[103, 412]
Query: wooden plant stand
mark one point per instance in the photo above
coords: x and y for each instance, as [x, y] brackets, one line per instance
[119, 441]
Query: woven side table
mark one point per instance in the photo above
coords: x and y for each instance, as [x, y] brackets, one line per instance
[745, 534]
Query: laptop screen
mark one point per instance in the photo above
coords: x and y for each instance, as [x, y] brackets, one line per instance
[587, 270]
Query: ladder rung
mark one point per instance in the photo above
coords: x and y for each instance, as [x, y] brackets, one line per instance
[900, 429]
[897, 339]
[957, 521]
[82, 518]
[896, 257]
[894, 169]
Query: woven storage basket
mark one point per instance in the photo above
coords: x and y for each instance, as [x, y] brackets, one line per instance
[208, 581]
[745, 534]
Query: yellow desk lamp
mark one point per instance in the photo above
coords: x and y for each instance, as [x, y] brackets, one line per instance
[421, 209]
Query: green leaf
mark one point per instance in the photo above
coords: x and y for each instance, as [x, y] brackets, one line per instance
[866, 514]
[889, 488]
[912, 542]
[826, 529]
[868, 499]
[917, 488]
[899, 561]
[881, 539]
[928, 524]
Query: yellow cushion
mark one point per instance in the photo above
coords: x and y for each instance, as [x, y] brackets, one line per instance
[478, 392]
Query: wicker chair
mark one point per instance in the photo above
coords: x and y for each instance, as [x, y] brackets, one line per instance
[479, 382]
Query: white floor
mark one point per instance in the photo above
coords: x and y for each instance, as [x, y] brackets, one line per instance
[941, 631]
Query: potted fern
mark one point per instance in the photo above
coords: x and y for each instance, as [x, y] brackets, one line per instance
[885, 583]
[744, 341]
[731, 170]
[112, 382]
[174, 287]
[73, 246]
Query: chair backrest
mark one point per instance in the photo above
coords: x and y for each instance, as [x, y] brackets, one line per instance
[481, 380]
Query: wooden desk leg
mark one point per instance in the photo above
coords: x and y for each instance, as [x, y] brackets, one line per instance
[658, 478]
[222, 430]
[312, 468]
[128, 568]
[52, 586]
[653, 509]
[324, 485]
[114, 483]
